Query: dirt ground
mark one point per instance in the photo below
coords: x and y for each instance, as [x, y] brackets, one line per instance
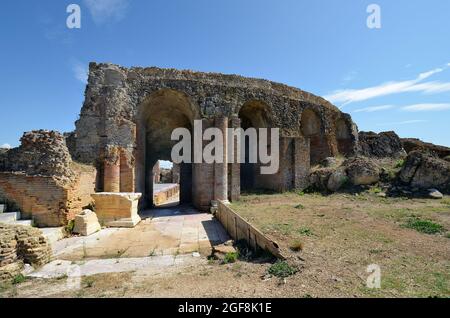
[341, 235]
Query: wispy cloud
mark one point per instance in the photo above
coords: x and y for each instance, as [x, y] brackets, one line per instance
[348, 96]
[6, 146]
[80, 71]
[103, 11]
[349, 77]
[373, 109]
[426, 107]
[405, 122]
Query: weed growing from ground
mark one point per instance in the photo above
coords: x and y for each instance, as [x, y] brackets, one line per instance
[424, 226]
[281, 269]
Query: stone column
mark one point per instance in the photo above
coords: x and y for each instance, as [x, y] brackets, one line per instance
[235, 192]
[111, 176]
[221, 169]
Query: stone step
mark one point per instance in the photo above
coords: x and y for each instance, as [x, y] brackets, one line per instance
[53, 234]
[9, 217]
[23, 222]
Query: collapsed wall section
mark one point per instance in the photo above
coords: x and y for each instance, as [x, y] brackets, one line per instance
[43, 181]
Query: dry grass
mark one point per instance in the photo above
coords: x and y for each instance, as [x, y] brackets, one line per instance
[342, 234]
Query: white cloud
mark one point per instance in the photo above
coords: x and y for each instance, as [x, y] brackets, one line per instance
[373, 109]
[80, 71]
[6, 146]
[348, 96]
[103, 11]
[406, 122]
[426, 107]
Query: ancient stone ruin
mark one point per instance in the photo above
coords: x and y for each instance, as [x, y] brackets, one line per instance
[125, 128]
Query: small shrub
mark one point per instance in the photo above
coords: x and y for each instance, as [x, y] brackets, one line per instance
[18, 279]
[281, 269]
[305, 231]
[69, 227]
[89, 282]
[230, 257]
[301, 193]
[296, 246]
[300, 206]
[64, 276]
[424, 226]
[400, 163]
[375, 190]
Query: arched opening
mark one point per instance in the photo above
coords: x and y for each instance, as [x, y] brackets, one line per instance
[253, 114]
[343, 137]
[158, 116]
[311, 127]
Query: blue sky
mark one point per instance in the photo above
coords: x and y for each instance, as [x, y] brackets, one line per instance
[393, 78]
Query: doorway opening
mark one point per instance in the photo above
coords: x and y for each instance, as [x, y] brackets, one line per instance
[166, 184]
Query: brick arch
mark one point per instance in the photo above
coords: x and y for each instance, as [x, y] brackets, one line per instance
[256, 113]
[343, 134]
[158, 115]
[312, 127]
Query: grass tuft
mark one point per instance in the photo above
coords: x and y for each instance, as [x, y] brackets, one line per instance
[296, 246]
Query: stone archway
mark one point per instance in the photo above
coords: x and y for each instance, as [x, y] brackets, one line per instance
[158, 115]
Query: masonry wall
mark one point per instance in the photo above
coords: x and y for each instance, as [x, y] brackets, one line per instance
[47, 200]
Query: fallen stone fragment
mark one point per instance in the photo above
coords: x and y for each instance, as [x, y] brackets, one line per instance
[86, 223]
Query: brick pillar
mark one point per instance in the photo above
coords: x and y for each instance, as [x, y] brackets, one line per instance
[302, 163]
[235, 192]
[111, 176]
[221, 169]
[127, 176]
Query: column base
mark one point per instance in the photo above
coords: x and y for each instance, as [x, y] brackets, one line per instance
[124, 222]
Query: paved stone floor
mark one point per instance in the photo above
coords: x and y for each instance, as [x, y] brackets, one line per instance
[163, 231]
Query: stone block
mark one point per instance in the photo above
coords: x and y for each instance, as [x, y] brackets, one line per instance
[117, 209]
[86, 223]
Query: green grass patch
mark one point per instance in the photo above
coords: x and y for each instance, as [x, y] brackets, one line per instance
[424, 226]
[281, 269]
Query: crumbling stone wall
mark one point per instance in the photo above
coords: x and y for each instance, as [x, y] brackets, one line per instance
[18, 245]
[412, 144]
[41, 152]
[41, 178]
[384, 144]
